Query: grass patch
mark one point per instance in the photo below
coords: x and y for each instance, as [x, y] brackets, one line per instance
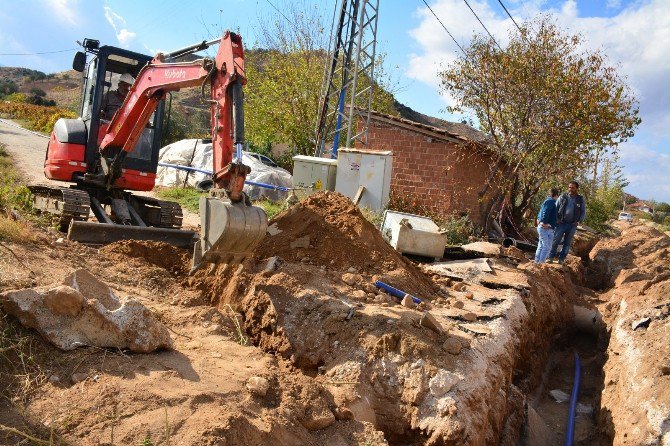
[187, 197]
[13, 196]
[271, 208]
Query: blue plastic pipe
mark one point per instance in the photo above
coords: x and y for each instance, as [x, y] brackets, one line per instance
[395, 291]
[209, 172]
[570, 432]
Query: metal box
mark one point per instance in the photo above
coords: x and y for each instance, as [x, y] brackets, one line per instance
[313, 173]
[413, 234]
[367, 168]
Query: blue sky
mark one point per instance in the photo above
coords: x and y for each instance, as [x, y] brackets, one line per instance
[635, 35]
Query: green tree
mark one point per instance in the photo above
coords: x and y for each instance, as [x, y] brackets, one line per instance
[284, 81]
[548, 105]
[607, 197]
[7, 87]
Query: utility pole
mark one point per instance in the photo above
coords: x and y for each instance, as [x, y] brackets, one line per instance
[348, 76]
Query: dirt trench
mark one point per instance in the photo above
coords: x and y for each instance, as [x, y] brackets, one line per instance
[345, 364]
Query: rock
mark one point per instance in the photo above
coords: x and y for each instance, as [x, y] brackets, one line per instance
[54, 379]
[469, 295]
[305, 259]
[352, 270]
[459, 286]
[78, 377]
[429, 321]
[452, 345]
[258, 385]
[85, 311]
[272, 264]
[300, 242]
[60, 240]
[351, 279]
[358, 294]
[442, 382]
[407, 302]
[584, 408]
[641, 323]
[469, 316]
[343, 413]
[369, 288]
[273, 229]
[559, 396]
[64, 300]
[458, 304]
[317, 417]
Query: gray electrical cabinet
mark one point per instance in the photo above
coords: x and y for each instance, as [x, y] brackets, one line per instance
[368, 171]
[314, 174]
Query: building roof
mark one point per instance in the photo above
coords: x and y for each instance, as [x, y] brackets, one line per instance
[434, 127]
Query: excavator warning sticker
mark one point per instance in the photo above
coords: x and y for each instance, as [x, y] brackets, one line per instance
[355, 166]
[318, 185]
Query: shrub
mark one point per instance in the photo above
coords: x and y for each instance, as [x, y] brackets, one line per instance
[35, 117]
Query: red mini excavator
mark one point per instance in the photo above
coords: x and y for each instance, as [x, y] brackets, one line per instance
[105, 160]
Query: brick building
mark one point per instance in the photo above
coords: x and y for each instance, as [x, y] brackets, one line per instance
[436, 168]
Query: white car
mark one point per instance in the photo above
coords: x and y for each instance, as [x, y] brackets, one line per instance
[626, 216]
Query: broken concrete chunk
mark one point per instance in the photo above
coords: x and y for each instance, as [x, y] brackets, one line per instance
[559, 396]
[273, 229]
[258, 385]
[86, 312]
[407, 301]
[429, 321]
[300, 242]
[482, 249]
[442, 382]
[92, 288]
[273, 263]
[64, 300]
[641, 323]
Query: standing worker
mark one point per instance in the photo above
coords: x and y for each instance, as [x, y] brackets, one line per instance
[546, 224]
[571, 211]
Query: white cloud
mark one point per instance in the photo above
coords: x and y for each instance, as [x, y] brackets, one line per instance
[123, 35]
[64, 10]
[647, 171]
[637, 40]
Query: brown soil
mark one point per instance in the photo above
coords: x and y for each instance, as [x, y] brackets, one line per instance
[345, 364]
[635, 271]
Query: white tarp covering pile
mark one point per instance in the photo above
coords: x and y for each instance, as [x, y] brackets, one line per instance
[198, 154]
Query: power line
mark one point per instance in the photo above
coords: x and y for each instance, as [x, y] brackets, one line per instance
[482, 23]
[445, 28]
[36, 54]
[281, 13]
[510, 16]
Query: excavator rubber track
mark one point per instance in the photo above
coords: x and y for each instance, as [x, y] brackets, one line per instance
[66, 203]
[158, 213]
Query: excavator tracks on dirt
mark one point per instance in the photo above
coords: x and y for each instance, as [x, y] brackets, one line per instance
[66, 203]
[158, 213]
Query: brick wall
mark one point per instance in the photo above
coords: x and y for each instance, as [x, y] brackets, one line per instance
[442, 176]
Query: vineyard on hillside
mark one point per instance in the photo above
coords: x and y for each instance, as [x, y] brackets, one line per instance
[35, 117]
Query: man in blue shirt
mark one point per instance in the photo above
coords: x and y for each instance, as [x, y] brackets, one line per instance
[546, 223]
[571, 211]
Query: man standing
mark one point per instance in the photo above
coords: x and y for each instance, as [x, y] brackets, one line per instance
[113, 99]
[571, 211]
[546, 224]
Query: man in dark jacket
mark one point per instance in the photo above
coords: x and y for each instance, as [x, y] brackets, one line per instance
[546, 223]
[571, 211]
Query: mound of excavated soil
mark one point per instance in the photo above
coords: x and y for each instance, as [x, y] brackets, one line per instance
[160, 254]
[328, 230]
[635, 269]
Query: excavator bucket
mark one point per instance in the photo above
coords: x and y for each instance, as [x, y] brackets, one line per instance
[229, 232]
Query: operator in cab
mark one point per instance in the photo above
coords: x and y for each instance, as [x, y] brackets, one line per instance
[113, 99]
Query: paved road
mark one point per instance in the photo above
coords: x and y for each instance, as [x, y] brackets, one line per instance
[28, 150]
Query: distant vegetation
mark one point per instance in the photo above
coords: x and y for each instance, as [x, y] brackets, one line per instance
[40, 118]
